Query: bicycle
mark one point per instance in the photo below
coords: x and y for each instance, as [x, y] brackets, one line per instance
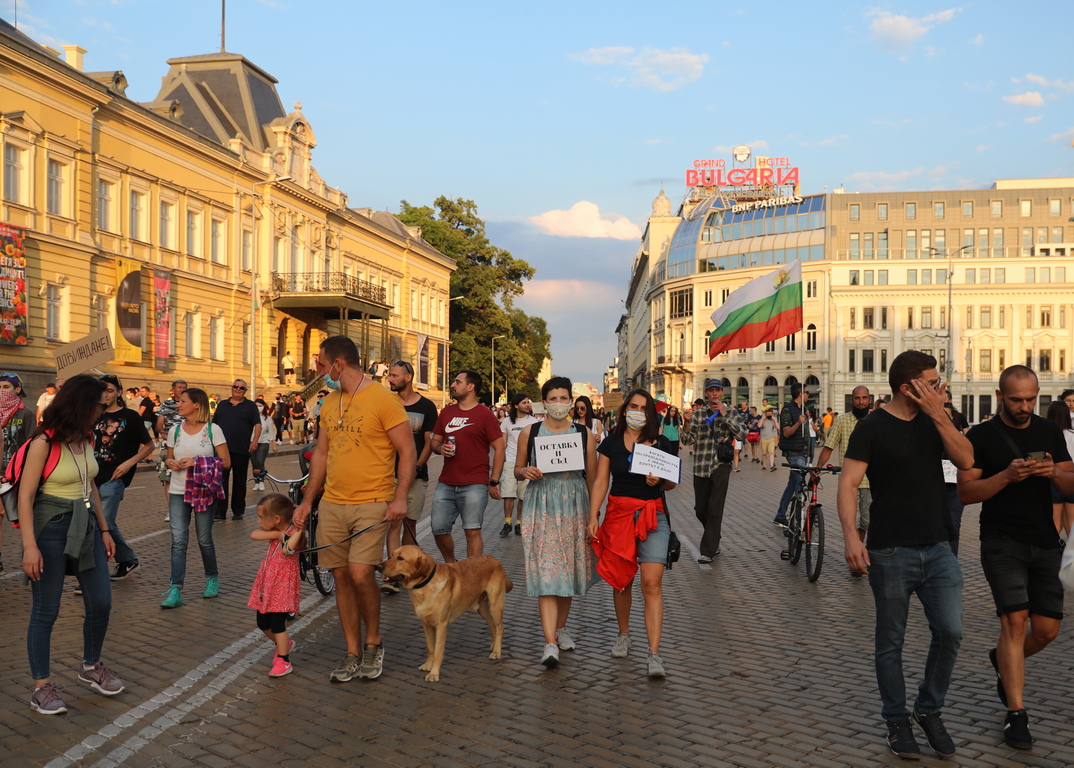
[308, 568]
[805, 530]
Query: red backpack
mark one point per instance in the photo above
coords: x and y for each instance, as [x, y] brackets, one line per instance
[13, 474]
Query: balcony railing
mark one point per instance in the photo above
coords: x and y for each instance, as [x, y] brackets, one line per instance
[674, 359]
[328, 282]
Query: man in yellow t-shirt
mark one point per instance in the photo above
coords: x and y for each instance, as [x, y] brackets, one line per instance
[363, 426]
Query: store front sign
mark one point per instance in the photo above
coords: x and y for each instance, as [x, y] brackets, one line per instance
[771, 202]
[702, 176]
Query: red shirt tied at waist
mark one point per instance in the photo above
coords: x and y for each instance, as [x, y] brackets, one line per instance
[616, 544]
[204, 483]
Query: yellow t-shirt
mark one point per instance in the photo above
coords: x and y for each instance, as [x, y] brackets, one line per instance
[361, 456]
[73, 474]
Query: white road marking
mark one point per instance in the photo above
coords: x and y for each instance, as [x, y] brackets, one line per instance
[694, 553]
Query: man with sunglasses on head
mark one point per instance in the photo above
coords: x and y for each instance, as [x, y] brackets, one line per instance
[239, 419]
[120, 442]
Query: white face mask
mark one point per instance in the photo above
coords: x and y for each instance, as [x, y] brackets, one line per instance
[557, 411]
[636, 419]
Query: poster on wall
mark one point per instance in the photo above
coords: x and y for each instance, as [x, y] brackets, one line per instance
[423, 362]
[162, 317]
[440, 363]
[129, 311]
[13, 294]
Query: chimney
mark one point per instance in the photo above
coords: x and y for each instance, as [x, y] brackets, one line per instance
[75, 55]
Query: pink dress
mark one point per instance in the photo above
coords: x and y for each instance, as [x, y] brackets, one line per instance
[276, 586]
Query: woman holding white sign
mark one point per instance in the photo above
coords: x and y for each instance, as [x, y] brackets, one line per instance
[558, 459]
[635, 531]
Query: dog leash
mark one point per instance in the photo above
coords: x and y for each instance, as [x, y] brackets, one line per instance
[288, 551]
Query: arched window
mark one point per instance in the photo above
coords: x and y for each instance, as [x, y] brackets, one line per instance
[811, 338]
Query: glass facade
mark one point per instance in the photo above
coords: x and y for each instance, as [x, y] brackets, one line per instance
[682, 253]
[727, 226]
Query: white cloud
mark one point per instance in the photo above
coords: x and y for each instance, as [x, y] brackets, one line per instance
[652, 141]
[583, 219]
[979, 40]
[831, 141]
[756, 146]
[1062, 85]
[1035, 119]
[897, 33]
[653, 68]
[983, 147]
[559, 294]
[1065, 136]
[1027, 99]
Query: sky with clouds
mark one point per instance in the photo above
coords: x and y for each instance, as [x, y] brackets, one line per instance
[563, 120]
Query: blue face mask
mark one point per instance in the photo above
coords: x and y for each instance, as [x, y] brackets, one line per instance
[329, 381]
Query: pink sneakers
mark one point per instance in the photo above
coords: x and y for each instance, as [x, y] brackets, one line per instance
[280, 668]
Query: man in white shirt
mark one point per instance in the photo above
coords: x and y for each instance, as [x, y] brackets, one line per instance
[45, 400]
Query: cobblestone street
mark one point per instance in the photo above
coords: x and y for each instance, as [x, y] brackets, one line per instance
[764, 668]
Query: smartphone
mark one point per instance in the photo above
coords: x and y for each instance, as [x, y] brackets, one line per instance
[1035, 456]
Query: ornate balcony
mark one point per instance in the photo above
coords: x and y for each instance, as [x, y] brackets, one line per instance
[332, 293]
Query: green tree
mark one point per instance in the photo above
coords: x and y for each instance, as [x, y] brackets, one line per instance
[486, 282]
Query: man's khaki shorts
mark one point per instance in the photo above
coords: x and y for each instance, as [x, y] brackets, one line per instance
[768, 445]
[336, 522]
[415, 498]
[509, 487]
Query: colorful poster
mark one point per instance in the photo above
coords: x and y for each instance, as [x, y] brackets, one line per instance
[129, 311]
[13, 310]
[440, 363]
[162, 317]
[423, 362]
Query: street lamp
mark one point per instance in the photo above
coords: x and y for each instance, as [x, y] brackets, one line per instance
[502, 336]
[948, 363]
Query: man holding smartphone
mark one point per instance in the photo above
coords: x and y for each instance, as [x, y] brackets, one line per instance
[1018, 457]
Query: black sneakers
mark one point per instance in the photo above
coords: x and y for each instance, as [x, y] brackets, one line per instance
[932, 726]
[506, 530]
[1016, 730]
[123, 570]
[1000, 690]
[902, 742]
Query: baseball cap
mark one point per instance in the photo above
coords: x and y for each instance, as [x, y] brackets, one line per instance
[710, 383]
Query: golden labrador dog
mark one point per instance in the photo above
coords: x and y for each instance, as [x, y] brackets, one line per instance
[442, 592]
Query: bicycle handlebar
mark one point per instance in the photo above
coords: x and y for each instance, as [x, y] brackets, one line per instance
[275, 479]
[803, 470]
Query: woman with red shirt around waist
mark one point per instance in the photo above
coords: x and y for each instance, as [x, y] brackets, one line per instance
[635, 530]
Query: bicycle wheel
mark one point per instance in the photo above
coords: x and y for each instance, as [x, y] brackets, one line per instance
[322, 577]
[814, 542]
[794, 530]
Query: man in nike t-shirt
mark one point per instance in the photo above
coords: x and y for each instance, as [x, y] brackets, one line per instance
[465, 482]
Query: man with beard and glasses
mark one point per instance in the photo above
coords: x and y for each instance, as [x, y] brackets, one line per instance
[839, 437]
[1018, 458]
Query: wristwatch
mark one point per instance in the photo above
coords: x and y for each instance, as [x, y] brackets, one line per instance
[494, 483]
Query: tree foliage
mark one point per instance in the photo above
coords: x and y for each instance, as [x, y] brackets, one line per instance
[484, 286]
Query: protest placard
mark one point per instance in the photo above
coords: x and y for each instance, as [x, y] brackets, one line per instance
[559, 453]
[649, 460]
[84, 354]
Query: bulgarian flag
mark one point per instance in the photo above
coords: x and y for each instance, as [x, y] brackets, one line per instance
[764, 309]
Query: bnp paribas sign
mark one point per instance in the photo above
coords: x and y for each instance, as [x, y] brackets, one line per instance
[762, 172]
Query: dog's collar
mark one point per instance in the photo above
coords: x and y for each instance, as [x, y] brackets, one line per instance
[427, 579]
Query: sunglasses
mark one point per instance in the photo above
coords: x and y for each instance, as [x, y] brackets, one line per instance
[238, 387]
[405, 365]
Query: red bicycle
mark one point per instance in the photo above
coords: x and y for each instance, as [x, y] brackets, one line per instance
[805, 521]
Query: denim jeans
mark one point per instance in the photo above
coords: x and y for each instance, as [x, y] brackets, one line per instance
[258, 459]
[180, 512]
[112, 494]
[450, 501]
[933, 573]
[47, 591]
[794, 482]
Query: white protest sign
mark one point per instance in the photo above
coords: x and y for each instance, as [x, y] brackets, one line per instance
[83, 355]
[559, 453]
[648, 460]
[950, 472]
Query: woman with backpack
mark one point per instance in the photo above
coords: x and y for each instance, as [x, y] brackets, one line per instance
[197, 457]
[64, 530]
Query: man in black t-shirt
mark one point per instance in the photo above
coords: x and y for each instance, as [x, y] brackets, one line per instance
[120, 442]
[1018, 458]
[900, 448]
[422, 414]
[241, 423]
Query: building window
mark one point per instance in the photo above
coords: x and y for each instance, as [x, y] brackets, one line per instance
[985, 317]
[997, 208]
[1062, 315]
[1031, 275]
[1045, 274]
[855, 212]
[55, 192]
[102, 310]
[853, 318]
[941, 244]
[724, 293]
[1057, 234]
[1054, 207]
[926, 277]
[1045, 317]
[855, 277]
[1045, 361]
[1042, 235]
[1001, 359]
[967, 209]
[1027, 241]
[937, 210]
[883, 318]
[1002, 317]
[681, 303]
[911, 211]
[967, 238]
[943, 317]
[193, 233]
[867, 248]
[246, 343]
[792, 342]
[971, 276]
[986, 276]
[910, 318]
[882, 211]
[769, 346]
[413, 305]
[869, 275]
[941, 276]
[135, 231]
[882, 277]
[851, 367]
[969, 317]
[926, 317]
[883, 361]
[54, 310]
[1062, 360]
[217, 245]
[867, 317]
[104, 205]
[855, 246]
[911, 277]
[811, 338]
[192, 334]
[167, 234]
[1001, 274]
[247, 249]
[911, 243]
[867, 361]
[1026, 208]
[985, 356]
[14, 172]
[708, 298]
[216, 339]
[811, 289]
